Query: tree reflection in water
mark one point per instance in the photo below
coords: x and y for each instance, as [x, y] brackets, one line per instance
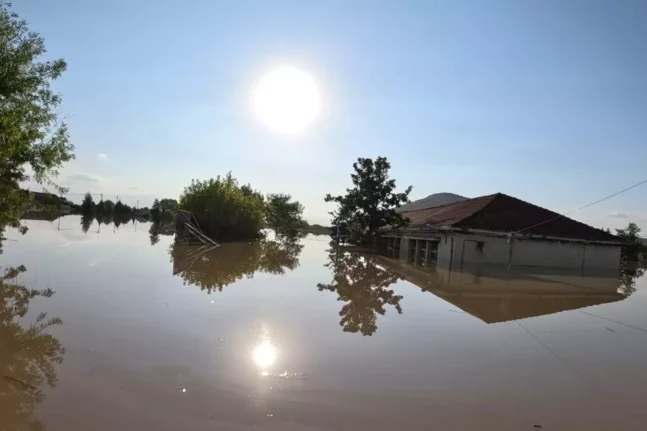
[362, 284]
[629, 273]
[28, 356]
[154, 233]
[214, 268]
[86, 222]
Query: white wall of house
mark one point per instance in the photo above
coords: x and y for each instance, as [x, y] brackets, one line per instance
[457, 250]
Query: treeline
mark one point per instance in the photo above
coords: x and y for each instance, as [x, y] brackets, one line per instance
[162, 210]
[108, 209]
[224, 210]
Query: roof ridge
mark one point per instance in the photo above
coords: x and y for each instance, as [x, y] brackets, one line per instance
[489, 202]
[561, 216]
[448, 204]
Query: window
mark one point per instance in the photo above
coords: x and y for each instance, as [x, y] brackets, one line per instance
[413, 244]
[423, 252]
[431, 253]
[393, 247]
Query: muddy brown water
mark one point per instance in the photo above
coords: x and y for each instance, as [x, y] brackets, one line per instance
[296, 336]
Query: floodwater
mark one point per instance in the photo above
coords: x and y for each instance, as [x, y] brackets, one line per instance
[296, 336]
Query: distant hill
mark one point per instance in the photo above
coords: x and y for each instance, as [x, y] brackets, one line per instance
[432, 201]
[50, 199]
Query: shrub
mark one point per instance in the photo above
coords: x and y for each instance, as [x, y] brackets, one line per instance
[224, 210]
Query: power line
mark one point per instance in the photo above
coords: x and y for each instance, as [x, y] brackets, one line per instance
[559, 358]
[585, 206]
[614, 321]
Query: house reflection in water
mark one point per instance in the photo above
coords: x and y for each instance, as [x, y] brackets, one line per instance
[499, 294]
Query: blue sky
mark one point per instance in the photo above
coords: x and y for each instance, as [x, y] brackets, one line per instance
[543, 100]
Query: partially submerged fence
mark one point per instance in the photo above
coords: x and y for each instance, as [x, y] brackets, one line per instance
[187, 230]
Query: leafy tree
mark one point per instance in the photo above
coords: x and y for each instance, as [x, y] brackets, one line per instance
[31, 135]
[363, 284]
[223, 210]
[164, 209]
[283, 215]
[109, 207]
[120, 208]
[634, 248]
[100, 208]
[372, 202]
[168, 206]
[88, 207]
[249, 191]
[155, 211]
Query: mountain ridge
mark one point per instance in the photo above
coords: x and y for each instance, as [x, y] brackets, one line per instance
[431, 201]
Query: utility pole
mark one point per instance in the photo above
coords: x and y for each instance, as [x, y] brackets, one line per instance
[60, 206]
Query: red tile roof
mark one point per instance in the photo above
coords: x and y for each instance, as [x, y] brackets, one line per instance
[503, 213]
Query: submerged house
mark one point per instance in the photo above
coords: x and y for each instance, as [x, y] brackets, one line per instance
[502, 230]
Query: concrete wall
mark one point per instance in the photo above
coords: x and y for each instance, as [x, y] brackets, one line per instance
[445, 251]
[458, 250]
[602, 257]
[404, 249]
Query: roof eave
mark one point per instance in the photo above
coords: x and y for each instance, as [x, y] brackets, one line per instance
[446, 229]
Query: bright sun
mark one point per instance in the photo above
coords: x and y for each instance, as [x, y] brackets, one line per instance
[287, 99]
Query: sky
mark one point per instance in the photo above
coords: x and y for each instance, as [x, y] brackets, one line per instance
[542, 100]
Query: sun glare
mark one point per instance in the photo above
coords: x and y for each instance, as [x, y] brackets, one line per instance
[264, 354]
[287, 100]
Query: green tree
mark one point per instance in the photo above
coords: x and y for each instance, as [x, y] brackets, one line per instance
[283, 215]
[88, 207]
[155, 211]
[634, 248]
[164, 209]
[249, 191]
[223, 211]
[168, 206]
[109, 207]
[120, 208]
[372, 202]
[31, 135]
[363, 284]
[100, 208]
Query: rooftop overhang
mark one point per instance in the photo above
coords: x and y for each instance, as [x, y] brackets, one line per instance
[510, 236]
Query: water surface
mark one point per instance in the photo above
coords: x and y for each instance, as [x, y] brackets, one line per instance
[299, 336]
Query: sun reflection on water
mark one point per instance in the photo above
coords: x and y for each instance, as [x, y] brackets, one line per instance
[264, 354]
